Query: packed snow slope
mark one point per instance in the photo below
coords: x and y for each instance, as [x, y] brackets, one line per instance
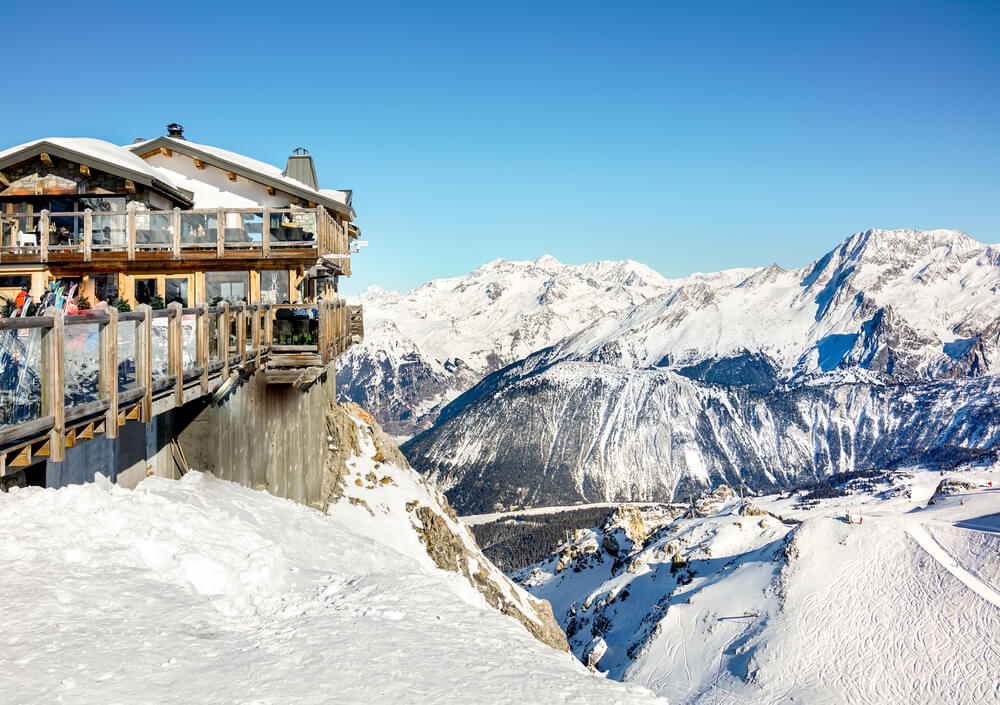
[734, 602]
[425, 347]
[882, 351]
[201, 591]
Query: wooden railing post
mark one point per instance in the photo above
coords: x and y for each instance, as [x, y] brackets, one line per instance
[201, 344]
[43, 234]
[88, 234]
[220, 233]
[175, 350]
[269, 326]
[265, 234]
[131, 230]
[241, 333]
[53, 390]
[177, 233]
[322, 342]
[256, 312]
[144, 361]
[224, 339]
[109, 371]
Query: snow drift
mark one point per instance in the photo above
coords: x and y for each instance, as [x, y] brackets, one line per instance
[199, 590]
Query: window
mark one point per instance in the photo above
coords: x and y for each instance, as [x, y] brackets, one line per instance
[176, 290]
[18, 281]
[105, 287]
[145, 290]
[227, 286]
[274, 286]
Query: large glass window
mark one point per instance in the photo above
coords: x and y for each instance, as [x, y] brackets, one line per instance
[274, 286]
[145, 290]
[176, 289]
[105, 287]
[227, 286]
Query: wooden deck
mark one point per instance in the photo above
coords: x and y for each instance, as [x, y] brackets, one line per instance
[290, 344]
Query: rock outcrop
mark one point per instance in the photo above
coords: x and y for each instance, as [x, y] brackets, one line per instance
[365, 469]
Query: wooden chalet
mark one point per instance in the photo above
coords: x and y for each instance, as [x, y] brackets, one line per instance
[169, 218]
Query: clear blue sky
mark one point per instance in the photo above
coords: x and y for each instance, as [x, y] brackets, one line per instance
[689, 136]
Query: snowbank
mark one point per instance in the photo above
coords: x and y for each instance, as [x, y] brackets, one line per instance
[202, 591]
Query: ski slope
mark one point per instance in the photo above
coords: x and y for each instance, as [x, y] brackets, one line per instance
[724, 607]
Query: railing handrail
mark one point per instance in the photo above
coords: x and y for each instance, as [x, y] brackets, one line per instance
[327, 235]
[252, 323]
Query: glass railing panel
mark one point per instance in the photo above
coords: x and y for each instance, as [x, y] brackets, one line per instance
[19, 233]
[65, 232]
[244, 228]
[291, 227]
[154, 229]
[109, 231]
[199, 229]
[214, 353]
[127, 332]
[189, 340]
[20, 370]
[81, 363]
[160, 348]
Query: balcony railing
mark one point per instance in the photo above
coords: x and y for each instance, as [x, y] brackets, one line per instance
[139, 234]
[68, 377]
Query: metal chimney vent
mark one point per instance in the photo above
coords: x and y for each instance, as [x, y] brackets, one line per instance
[301, 168]
[175, 130]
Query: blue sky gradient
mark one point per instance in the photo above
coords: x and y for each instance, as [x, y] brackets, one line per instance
[689, 136]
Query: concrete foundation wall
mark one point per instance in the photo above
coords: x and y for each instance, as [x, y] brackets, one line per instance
[269, 437]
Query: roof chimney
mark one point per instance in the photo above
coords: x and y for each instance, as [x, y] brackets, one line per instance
[301, 168]
[175, 130]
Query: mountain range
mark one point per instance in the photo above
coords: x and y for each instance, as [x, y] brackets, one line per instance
[880, 352]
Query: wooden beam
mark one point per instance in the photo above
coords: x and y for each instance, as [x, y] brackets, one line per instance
[85, 170]
[86, 433]
[270, 190]
[201, 344]
[69, 438]
[175, 351]
[21, 459]
[46, 159]
[199, 163]
[108, 377]
[147, 155]
[4, 180]
[166, 152]
[231, 175]
[53, 389]
[144, 361]
[129, 186]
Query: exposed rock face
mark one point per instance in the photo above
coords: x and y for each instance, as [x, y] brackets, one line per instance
[950, 487]
[365, 469]
[623, 530]
[450, 552]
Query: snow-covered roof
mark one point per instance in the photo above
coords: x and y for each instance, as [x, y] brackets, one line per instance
[342, 195]
[248, 167]
[94, 153]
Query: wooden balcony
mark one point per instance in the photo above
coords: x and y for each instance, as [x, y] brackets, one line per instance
[137, 236]
[147, 362]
